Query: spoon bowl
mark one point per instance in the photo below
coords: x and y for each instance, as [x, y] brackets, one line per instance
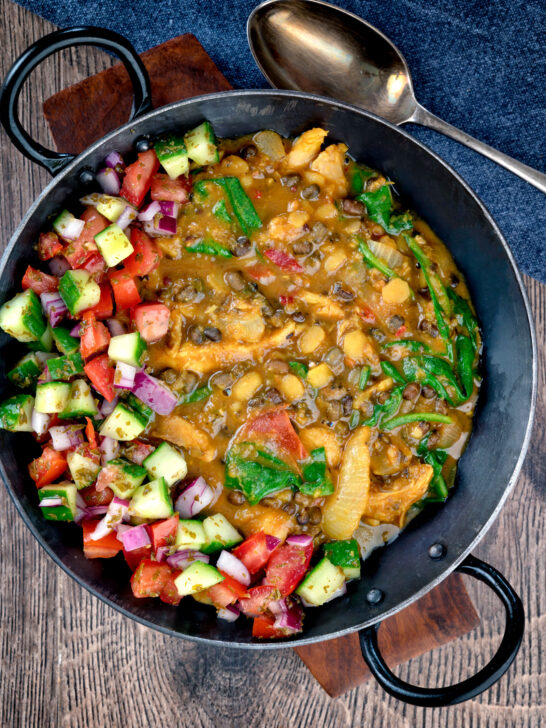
[310, 45]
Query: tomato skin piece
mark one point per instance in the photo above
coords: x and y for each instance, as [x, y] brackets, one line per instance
[138, 177]
[258, 599]
[166, 189]
[126, 293]
[84, 247]
[48, 467]
[253, 552]
[39, 282]
[95, 337]
[96, 265]
[105, 307]
[104, 548]
[263, 628]
[261, 273]
[151, 320]
[134, 557]
[90, 433]
[163, 533]
[283, 260]
[94, 497]
[146, 255]
[169, 593]
[287, 567]
[101, 375]
[137, 451]
[226, 592]
[150, 578]
[273, 427]
[49, 246]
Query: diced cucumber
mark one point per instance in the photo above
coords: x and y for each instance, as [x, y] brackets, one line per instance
[173, 156]
[67, 226]
[113, 244]
[16, 412]
[52, 397]
[65, 512]
[321, 583]
[167, 462]
[201, 144]
[111, 207]
[123, 424]
[65, 367]
[346, 555]
[219, 533]
[83, 470]
[151, 501]
[143, 411]
[197, 577]
[190, 535]
[125, 477]
[25, 373]
[79, 291]
[127, 348]
[81, 402]
[64, 342]
[22, 317]
[44, 343]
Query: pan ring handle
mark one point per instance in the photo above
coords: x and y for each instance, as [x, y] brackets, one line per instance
[54, 162]
[472, 686]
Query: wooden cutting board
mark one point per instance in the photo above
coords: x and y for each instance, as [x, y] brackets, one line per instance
[179, 69]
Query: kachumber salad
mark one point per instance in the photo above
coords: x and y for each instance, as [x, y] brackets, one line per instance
[247, 366]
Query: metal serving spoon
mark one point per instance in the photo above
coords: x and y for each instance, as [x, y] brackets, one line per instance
[310, 45]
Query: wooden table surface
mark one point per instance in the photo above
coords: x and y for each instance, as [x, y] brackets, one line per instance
[69, 661]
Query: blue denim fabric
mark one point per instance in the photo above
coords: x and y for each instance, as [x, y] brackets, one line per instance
[479, 64]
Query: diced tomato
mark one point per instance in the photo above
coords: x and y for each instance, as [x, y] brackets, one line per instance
[150, 578]
[137, 451]
[90, 433]
[125, 290]
[287, 567]
[261, 273]
[95, 337]
[104, 548]
[253, 552]
[226, 592]
[94, 497]
[401, 331]
[48, 467]
[138, 177]
[79, 252]
[233, 585]
[258, 599]
[101, 375]
[274, 428]
[263, 628]
[366, 313]
[49, 246]
[96, 265]
[105, 307]
[146, 255]
[134, 557]
[151, 320]
[165, 188]
[39, 282]
[163, 533]
[285, 300]
[169, 593]
[283, 260]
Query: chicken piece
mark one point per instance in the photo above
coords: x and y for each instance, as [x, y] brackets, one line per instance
[252, 519]
[313, 437]
[329, 164]
[241, 319]
[390, 455]
[391, 504]
[288, 227]
[304, 150]
[185, 434]
[323, 307]
[217, 355]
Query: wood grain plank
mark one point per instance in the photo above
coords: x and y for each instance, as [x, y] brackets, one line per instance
[67, 660]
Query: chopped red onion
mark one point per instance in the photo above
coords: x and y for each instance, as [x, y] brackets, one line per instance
[117, 509]
[106, 408]
[128, 215]
[109, 449]
[229, 613]
[115, 327]
[182, 559]
[134, 538]
[233, 567]
[54, 307]
[58, 265]
[165, 224]
[40, 422]
[63, 437]
[302, 540]
[148, 213]
[53, 502]
[153, 393]
[71, 229]
[169, 208]
[194, 498]
[91, 200]
[109, 181]
[271, 542]
[76, 331]
[93, 511]
[278, 607]
[124, 376]
[138, 451]
[161, 553]
[114, 159]
[45, 376]
[44, 356]
[121, 528]
[80, 508]
[291, 621]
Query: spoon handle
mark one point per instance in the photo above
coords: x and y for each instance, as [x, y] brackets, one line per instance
[533, 176]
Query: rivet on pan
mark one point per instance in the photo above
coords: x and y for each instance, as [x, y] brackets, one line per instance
[437, 551]
[374, 596]
[142, 144]
[86, 177]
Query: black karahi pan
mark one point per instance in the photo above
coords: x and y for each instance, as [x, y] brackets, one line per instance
[440, 540]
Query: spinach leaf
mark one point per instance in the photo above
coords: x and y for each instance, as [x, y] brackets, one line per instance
[220, 211]
[196, 396]
[358, 176]
[435, 458]
[315, 475]
[379, 207]
[209, 247]
[464, 315]
[257, 472]
[299, 368]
